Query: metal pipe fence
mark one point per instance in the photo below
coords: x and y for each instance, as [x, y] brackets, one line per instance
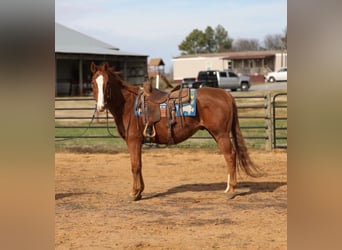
[258, 117]
[279, 121]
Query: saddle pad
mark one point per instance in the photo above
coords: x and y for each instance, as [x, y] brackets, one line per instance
[188, 109]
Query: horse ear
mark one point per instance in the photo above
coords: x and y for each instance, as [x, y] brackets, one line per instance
[106, 66]
[93, 67]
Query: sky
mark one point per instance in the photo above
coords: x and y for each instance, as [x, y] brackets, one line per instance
[155, 28]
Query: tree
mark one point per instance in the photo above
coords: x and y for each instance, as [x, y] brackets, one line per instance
[223, 42]
[246, 45]
[273, 41]
[284, 39]
[193, 43]
[208, 41]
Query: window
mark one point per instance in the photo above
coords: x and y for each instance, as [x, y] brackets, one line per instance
[232, 74]
[223, 74]
[230, 66]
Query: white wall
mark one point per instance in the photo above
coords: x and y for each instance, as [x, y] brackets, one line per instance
[280, 61]
[189, 67]
[186, 67]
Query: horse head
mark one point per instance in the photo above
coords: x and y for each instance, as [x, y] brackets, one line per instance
[99, 82]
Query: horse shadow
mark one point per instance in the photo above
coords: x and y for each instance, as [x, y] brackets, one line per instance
[242, 188]
[64, 195]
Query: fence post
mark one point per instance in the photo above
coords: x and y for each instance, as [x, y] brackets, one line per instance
[268, 102]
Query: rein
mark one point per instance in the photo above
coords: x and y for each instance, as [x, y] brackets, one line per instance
[83, 133]
[108, 95]
[108, 91]
[107, 118]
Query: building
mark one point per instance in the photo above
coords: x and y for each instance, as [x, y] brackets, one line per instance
[156, 73]
[253, 63]
[74, 53]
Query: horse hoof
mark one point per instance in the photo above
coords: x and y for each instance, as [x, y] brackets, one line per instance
[231, 195]
[238, 192]
[136, 197]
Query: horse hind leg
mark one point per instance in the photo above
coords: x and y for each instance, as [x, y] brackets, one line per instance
[225, 146]
[231, 177]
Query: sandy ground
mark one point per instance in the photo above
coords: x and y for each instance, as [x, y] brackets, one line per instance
[183, 205]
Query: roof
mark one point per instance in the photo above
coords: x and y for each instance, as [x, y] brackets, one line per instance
[233, 55]
[156, 62]
[249, 56]
[71, 41]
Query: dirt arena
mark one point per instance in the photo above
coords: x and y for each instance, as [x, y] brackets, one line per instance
[183, 205]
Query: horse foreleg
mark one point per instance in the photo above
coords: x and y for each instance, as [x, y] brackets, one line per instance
[136, 166]
[225, 146]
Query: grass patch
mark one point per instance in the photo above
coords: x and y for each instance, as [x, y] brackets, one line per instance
[202, 139]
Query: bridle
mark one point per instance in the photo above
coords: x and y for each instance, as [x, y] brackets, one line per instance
[106, 97]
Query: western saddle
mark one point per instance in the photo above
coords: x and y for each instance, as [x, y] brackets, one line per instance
[149, 101]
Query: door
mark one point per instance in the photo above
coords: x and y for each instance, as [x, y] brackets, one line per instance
[282, 75]
[233, 80]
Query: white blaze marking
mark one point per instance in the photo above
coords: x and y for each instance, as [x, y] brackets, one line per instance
[228, 181]
[100, 99]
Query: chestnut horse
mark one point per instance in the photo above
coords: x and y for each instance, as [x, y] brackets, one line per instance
[216, 112]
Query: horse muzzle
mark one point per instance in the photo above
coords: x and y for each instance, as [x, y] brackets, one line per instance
[101, 107]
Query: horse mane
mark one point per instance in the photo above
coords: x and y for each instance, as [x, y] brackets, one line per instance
[125, 85]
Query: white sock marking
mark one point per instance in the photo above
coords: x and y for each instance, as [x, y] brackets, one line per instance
[228, 181]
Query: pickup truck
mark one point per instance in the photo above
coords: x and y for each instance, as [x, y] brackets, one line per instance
[219, 79]
[280, 75]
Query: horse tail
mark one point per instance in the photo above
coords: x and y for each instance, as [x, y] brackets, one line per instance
[243, 160]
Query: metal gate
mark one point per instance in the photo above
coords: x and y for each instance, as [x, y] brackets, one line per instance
[279, 122]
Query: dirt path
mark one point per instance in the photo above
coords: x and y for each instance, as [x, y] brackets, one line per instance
[183, 205]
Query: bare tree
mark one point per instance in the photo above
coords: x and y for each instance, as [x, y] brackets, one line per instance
[284, 39]
[273, 42]
[246, 44]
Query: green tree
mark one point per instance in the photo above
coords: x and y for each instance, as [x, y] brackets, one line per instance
[193, 43]
[207, 41]
[223, 42]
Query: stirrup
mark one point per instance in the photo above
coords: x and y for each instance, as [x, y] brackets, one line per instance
[147, 134]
